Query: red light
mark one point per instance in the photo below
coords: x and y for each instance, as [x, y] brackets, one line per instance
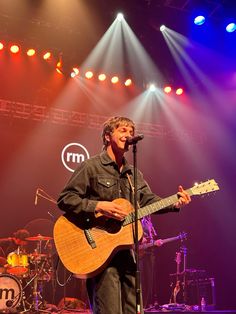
[59, 71]
[30, 52]
[14, 49]
[89, 74]
[1, 46]
[47, 55]
[59, 64]
[128, 82]
[115, 79]
[179, 91]
[167, 89]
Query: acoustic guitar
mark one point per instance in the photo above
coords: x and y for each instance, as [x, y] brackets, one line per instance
[85, 247]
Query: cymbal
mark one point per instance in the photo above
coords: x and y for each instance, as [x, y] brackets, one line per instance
[39, 237]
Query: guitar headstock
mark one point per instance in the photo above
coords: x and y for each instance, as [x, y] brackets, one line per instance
[182, 236]
[204, 187]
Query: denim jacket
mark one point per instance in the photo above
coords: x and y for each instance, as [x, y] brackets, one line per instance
[99, 179]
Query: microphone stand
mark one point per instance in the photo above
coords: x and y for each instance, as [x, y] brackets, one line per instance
[137, 277]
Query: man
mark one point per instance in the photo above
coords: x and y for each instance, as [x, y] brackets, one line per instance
[17, 241]
[90, 192]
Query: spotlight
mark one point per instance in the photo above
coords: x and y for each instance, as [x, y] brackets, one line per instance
[1, 46]
[14, 49]
[152, 88]
[47, 55]
[120, 17]
[231, 27]
[89, 75]
[167, 89]
[199, 20]
[30, 52]
[102, 77]
[128, 82]
[74, 72]
[114, 79]
[162, 28]
[179, 91]
[59, 65]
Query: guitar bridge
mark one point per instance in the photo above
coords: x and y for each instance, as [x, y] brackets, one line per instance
[90, 239]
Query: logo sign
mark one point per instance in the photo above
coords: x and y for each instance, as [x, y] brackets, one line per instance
[72, 155]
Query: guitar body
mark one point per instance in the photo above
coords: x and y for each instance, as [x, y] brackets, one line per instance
[85, 246]
[108, 236]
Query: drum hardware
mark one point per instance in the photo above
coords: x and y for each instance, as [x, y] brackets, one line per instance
[40, 272]
[38, 302]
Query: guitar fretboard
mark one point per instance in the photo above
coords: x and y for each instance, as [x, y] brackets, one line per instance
[152, 208]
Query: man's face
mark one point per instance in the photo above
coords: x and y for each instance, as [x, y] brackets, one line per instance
[119, 136]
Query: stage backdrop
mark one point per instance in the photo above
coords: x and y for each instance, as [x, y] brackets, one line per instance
[45, 135]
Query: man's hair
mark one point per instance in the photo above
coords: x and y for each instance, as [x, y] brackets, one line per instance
[113, 123]
[21, 234]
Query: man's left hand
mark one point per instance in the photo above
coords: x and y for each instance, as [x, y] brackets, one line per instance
[184, 198]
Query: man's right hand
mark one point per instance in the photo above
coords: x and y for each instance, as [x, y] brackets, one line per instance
[111, 210]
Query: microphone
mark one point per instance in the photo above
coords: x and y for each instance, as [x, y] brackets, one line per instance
[36, 198]
[134, 139]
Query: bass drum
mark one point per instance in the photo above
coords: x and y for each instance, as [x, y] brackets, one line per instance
[10, 293]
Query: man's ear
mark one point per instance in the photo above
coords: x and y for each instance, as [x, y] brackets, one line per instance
[107, 138]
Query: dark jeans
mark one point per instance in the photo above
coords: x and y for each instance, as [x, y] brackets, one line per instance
[113, 291]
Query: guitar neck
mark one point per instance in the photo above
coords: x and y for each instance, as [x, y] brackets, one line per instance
[152, 208]
[152, 243]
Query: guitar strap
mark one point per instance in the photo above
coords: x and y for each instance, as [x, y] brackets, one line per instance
[132, 187]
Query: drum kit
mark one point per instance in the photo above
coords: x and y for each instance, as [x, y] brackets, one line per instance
[23, 277]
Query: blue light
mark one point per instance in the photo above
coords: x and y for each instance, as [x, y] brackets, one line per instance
[199, 20]
[231, 27]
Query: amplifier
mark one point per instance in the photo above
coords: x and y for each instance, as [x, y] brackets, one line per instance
[201, 288]
[192, 287]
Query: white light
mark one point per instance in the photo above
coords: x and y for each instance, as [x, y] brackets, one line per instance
[231, 27]
[152, 88]
[199, 20]
[162, 28]
[120, 16]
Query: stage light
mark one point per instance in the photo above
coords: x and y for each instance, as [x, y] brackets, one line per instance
[231, 27]
[167, 89]
[152, 88]
[47, 55]
[59, 65]
[120, 17]
[1, 46]
[114, 79]
[162, 28]
[89, 75]
[179, 91]
[30, 52]
[199, 20]
[14, 48]
[128, 82]
[102, 77]
[75, 72]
